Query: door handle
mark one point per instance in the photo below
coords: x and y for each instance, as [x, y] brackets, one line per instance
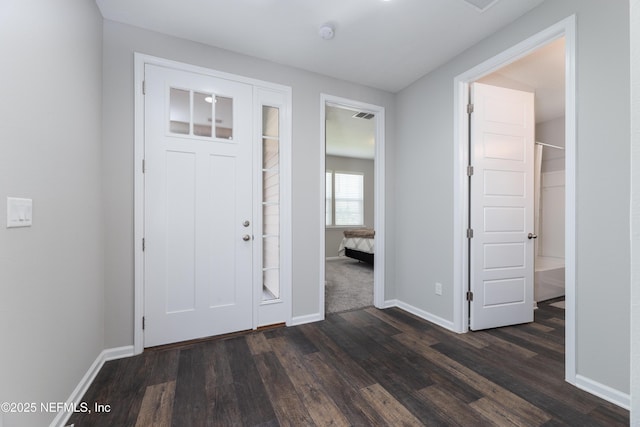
[246, 237]
[532, 236]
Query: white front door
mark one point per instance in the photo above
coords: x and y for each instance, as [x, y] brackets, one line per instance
[198, 206]
[501, 215]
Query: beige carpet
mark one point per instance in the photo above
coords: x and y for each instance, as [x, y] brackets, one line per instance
[348, 285]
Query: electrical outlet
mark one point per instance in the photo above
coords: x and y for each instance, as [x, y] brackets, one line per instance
[19, 212]
[438, 288]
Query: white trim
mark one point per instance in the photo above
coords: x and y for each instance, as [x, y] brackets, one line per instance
[118, 353]
[286, 203]
[139, 62]
[307, 318]
[447, 324]
[426, 315]
[566, 28]
[138, 204]
[84, 384]
[379, 193]
[390, 303]
[570, 215]
[333, 258]
[323, 202]
[603, 391]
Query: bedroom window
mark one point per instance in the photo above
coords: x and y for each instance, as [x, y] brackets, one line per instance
[345, 199]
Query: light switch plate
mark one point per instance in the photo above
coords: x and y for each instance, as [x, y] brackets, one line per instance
[19, 212]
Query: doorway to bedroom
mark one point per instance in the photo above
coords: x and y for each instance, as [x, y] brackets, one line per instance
[351, 238]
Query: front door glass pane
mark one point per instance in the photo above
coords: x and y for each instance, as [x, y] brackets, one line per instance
[224, 117]
[179, 111]
[202, 113]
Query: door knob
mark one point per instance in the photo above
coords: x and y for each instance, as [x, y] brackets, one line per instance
[532, 236]
[246, 237]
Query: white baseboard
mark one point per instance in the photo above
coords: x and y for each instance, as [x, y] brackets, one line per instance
[389, 304]
[426, 315]
[605, 392]
[308, 318]
[118, 353]
[334, 258]
[76, 397]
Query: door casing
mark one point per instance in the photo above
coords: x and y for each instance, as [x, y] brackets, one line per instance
[285, 215]
[567, 29]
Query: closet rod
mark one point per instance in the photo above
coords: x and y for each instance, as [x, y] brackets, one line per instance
[549, 145]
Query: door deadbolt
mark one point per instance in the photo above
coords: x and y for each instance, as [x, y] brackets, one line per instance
[246, 223]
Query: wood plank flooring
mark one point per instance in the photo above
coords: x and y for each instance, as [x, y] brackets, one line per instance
[366, 367]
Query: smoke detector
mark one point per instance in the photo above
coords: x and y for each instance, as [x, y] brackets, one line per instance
[326, 32]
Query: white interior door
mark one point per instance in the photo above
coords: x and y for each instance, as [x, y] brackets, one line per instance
[198, 206]
[501, 214]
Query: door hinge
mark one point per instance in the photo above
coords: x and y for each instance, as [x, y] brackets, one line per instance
[144, 169]
[469, 296]
[469, 108]
[469, 233]
[143, 244]
[143, 323]
[144, 87]
[469, 170]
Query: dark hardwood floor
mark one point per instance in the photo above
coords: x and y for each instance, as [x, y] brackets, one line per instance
[364, 368]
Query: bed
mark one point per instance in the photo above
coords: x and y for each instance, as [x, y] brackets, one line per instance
[358, 244]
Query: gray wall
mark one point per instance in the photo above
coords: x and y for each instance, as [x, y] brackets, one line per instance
[334, 235]
[424, 181]
[51, 274]
[120, 42]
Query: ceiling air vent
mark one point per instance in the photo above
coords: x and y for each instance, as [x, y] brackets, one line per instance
[481, 5]
[363, 115]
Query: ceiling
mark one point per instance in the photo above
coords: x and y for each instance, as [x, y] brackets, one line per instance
[541, 72]
[349, 136]
[383, 44]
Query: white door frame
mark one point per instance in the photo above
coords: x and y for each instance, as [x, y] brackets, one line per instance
[566, 28]
[379, 192]
[285, 215]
